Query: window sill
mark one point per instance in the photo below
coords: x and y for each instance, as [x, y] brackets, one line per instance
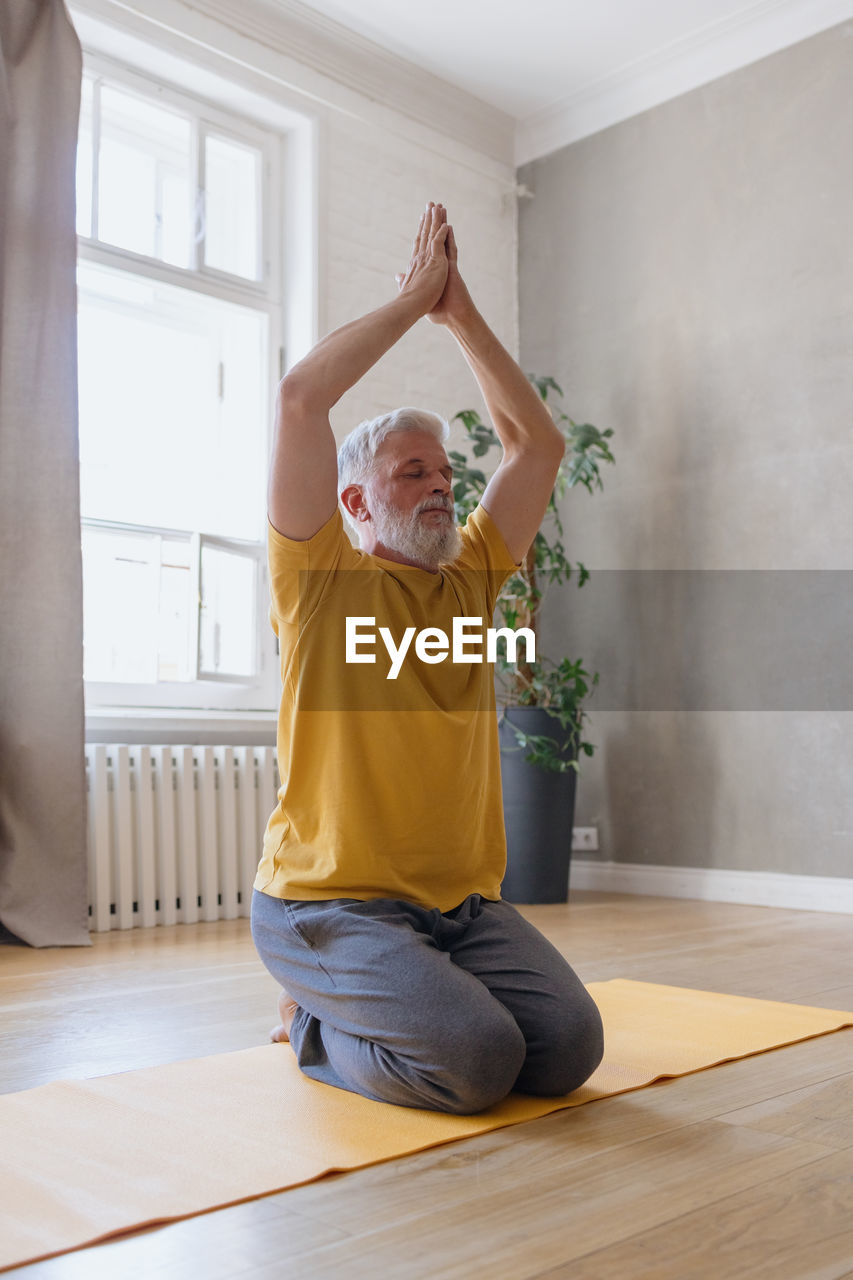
[150, 725]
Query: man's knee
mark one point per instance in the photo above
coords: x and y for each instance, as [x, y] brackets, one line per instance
[482, 1066]
[573, 1049]
[585, 1048]
[462, 1065]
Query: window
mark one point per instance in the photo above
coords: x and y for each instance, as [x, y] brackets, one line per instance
[179, 337]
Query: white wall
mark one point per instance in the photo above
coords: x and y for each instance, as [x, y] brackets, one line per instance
[377, 184]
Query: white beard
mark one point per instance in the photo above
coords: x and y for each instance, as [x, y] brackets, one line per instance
[427, 544]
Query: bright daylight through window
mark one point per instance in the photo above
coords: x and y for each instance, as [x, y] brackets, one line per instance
[176, 325]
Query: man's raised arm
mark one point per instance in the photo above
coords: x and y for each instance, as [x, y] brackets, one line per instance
[303, 485]
[517, 494]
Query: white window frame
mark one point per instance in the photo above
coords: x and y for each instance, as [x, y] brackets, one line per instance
[209, 692]
[249, 551]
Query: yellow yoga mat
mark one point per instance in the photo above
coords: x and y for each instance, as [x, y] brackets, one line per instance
[81, 1160]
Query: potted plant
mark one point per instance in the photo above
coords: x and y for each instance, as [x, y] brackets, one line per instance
[542, 714]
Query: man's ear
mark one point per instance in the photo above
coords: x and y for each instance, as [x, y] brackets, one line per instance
[355, 501]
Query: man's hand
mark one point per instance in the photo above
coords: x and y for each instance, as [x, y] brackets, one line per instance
[304, 470]
[426, 275]
[455, 304]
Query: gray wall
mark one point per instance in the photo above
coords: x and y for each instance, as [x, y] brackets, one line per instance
[687, 276]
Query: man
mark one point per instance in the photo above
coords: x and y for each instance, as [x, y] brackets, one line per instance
[377, 901]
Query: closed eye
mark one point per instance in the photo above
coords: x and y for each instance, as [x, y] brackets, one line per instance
[419, 474]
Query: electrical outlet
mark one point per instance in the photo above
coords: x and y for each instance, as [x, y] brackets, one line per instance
[584, 839]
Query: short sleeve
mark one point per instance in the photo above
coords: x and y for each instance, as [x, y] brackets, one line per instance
[484, 550]
[487, 542]
[299, 566]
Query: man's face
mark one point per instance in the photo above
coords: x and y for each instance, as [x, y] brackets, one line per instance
[410, 499]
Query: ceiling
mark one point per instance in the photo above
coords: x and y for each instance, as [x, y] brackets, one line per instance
[527, 57]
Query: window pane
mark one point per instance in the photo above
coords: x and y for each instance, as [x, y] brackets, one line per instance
[227, 627]
[145, 178]
[175, 656]
[120, 606]
[173, 406]
[84, 160]
[138, 607]
[232, 203]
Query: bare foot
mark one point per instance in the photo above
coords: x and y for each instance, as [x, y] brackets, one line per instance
[287, 1007]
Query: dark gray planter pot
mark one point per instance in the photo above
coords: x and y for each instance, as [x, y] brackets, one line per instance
[539, 809]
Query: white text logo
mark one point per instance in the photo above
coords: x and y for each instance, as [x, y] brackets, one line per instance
[433, 645]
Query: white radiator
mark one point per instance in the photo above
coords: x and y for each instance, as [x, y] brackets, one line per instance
[175, 833]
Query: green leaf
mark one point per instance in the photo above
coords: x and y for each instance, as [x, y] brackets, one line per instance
[544, 384]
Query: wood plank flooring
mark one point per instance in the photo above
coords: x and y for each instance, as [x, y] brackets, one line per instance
[745, 1170]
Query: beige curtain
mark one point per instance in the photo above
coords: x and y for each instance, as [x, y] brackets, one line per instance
[43, 897]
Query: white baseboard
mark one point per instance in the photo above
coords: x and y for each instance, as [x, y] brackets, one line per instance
[711, 884]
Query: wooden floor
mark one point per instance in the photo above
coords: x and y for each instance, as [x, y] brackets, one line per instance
[745, 1170]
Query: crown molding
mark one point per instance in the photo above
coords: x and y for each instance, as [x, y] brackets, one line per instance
[700, 57]
[330, 65]
[350, 59]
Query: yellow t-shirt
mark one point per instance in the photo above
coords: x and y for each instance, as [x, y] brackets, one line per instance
[390, 788]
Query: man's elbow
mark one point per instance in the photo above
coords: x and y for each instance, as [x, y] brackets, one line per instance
[559, 445]
[295, 393]
[545, 446]
[552, 446]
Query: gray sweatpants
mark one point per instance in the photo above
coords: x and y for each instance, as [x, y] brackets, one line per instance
[411, 1006]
